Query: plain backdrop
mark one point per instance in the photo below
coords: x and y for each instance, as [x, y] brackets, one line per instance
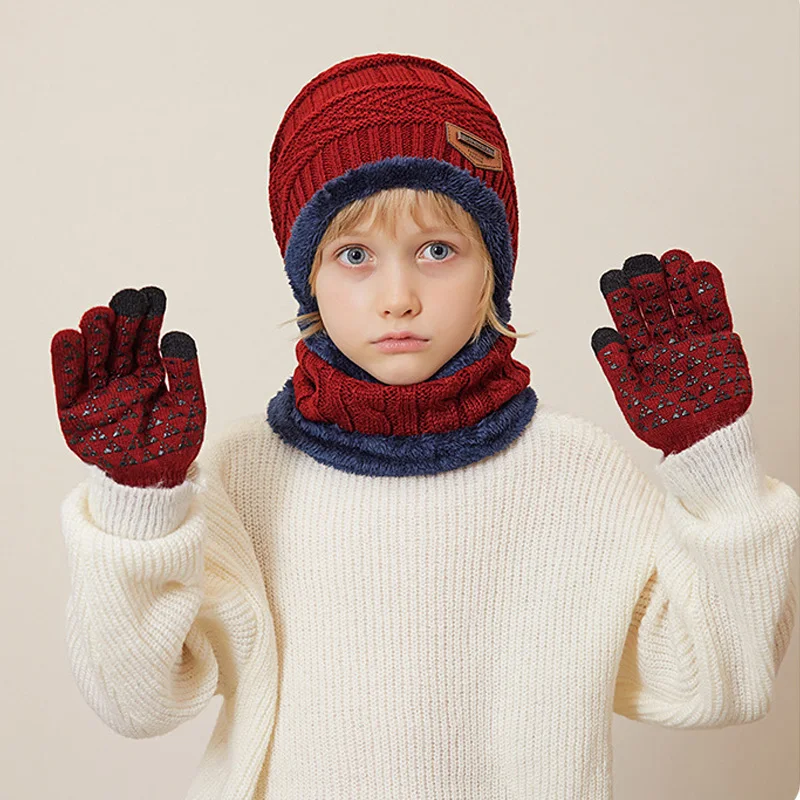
[134, 149]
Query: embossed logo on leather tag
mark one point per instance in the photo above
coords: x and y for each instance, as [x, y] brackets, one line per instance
[480, 152]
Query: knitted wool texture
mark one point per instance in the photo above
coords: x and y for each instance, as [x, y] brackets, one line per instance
[461, 635]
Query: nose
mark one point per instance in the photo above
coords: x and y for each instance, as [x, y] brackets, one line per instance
[399, 287]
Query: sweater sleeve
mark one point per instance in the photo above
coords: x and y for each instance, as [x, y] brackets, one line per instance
[162, 609]
[716, 610]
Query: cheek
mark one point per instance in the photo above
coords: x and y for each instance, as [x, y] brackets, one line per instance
[460, 299]
[332, 295]
[468, 284]
[341, 310]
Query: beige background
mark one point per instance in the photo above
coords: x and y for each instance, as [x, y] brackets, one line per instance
[134, 150]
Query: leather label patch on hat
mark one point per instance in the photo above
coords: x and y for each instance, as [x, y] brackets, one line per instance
[477, 150]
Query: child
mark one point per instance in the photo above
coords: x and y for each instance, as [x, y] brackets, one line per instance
[411, 580]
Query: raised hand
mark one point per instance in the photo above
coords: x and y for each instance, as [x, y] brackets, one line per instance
[113, 405]
[677, 369]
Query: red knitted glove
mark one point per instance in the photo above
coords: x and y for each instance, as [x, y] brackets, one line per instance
[114, 408]
[677, 373]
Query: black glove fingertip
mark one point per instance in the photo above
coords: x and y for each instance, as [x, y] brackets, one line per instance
[177, 344]
[603, 337]
[612, 281]
[642, 264]
[128, 303]
[156, 300]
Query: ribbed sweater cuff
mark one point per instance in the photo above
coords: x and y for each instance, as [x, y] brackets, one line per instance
[135, 512]
[718, 473]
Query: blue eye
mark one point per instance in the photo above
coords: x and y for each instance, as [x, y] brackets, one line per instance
[441, 248]
[350, 250]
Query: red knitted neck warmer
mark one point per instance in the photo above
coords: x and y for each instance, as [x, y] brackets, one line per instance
[326, 394]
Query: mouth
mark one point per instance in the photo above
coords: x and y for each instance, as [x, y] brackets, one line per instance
[401, 344]
[400, 336]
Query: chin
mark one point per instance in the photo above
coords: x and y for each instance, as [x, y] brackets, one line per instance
[404, 375]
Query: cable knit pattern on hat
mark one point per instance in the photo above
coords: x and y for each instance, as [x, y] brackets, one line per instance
[466, 634]
[371, 107]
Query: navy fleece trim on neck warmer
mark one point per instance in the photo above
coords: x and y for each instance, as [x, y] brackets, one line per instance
[399, 456]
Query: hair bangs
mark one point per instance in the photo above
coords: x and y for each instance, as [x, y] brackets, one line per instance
[381, 210]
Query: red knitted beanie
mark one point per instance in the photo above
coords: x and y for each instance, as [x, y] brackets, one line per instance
[373, 107]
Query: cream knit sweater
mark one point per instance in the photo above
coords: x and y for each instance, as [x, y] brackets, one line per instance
[459, 636]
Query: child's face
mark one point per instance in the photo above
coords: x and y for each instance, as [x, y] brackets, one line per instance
[428, 282]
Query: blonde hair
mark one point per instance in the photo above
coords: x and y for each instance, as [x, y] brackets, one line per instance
[382, 210]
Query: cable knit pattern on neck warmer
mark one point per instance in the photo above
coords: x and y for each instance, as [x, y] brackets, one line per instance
[325, 394]
[466, 634]
[380, 430]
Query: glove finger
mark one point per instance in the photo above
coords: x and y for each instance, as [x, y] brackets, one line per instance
[648, 285]
[129, 306]
[67, 359]
[179, 353]
[624, 310]
[615, 360]
[147, 353]
[708, 288]
[678, 267]
[96, 326]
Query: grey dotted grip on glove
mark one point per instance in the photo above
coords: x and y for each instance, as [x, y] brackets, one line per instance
[114, 407]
